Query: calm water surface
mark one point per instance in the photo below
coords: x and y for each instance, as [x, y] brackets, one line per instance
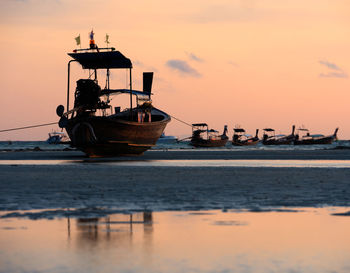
[192, 163]
[302, 240]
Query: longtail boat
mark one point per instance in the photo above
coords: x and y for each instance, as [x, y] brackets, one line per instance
[270, 138]
[97, 128]
[308, 139]
[240, 138]
[202, 136]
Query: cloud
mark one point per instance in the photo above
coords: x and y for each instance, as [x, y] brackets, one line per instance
[194, 57]
[144, 66]
[333, 75]
[233, 63]
[330, 65]
[334, 71]
[216, 13]
[183, 67]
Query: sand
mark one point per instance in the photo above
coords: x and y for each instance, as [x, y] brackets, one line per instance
[100, 188]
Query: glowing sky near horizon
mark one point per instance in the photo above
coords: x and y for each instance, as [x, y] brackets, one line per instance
[256, 63]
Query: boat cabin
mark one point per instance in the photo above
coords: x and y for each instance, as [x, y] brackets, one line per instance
[201, 130]
[269, 133]
[92, 100]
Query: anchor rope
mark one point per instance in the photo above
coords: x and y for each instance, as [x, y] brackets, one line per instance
[181, 121]
[28, 127]
[52, 123]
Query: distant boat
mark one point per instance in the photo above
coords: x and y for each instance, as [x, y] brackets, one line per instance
[56, 138]
[240, 138]
[270, 138]
[308, 139]
[202, 136]
[167, 139]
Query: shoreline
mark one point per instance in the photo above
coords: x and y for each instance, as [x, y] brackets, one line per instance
[187, 154]
[96, 184]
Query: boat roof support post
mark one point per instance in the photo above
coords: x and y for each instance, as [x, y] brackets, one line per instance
[107, 78]
[68, 80]
[130, 94]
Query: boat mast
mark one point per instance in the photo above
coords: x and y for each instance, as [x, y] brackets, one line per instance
[107, 78]
[68, 80]
[130, 95]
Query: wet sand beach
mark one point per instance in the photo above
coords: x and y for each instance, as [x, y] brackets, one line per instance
[45, 182]
[192, 154]
[175, 211]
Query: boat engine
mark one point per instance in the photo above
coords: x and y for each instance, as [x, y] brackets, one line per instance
[87, 94]
[196, 134]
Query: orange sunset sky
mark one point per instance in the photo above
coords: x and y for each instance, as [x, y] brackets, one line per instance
[256, 63]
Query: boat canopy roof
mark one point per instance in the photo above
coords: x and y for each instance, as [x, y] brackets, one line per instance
[101, 59]
[239, 130]
[317, 135]
[206, 131]
[199, 124]
[269, 130]
[303, 129]
[123, 91]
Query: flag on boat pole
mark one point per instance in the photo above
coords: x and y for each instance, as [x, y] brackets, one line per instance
[77, 39]
[92, 41]
[107, 39]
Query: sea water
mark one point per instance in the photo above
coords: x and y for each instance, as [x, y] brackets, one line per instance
[43, 145]
[189, 163]
[312, 240]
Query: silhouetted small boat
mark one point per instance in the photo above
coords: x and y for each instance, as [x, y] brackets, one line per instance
[57, 138]
[202, 136]
[308, 139]
[93, 125]
[166, 139]
[240, 138]
[270, 138]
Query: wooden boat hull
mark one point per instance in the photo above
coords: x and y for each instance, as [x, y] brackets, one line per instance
[277, 142]
[112, 136]
[248, 142]
[324, 140]
[209, 142]
[281, 141]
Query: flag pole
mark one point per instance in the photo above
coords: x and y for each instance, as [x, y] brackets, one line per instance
[77, 40]
[107, 40]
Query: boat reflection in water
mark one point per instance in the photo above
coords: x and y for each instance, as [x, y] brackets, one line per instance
[112, 227]
[280, 240]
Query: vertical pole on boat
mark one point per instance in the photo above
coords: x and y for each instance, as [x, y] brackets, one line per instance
[68, 80]
[107, 78]
[131, 222]
[130, 95]
[68, 227]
